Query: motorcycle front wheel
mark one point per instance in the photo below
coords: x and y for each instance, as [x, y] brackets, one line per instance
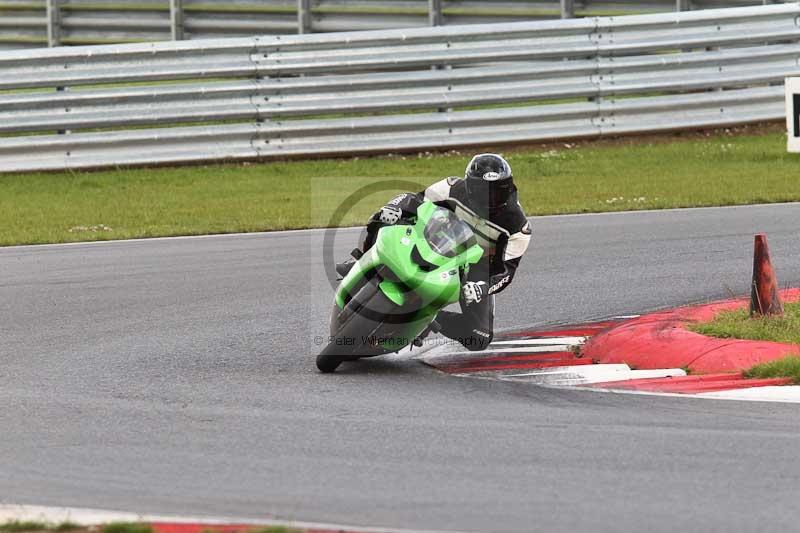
[354, 326]
[328, 360]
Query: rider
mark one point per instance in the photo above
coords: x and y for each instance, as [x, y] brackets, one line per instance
[486, 199]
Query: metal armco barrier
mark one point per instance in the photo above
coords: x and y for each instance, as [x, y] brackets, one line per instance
[37, 23]
[394, 90]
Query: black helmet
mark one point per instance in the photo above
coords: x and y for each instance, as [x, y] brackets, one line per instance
[489, 181]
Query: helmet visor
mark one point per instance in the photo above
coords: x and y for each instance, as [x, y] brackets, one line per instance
[489, 194]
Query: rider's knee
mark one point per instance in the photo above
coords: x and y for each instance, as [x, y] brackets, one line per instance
[479, 340]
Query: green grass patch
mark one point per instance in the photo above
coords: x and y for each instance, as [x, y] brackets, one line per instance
[25, 526]
[688, 171]
[370, 10]
[489, 13]
[23, 6]
[20, 526]
[579, 13]
[739, 325]
[112, 6]
[127, 527]
[23, 39]
[239, 8]
[80, 41]
[788, 367]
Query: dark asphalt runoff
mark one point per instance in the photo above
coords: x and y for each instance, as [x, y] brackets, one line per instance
[177, 376]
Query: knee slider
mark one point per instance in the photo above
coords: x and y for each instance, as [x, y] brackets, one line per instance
[479, 340]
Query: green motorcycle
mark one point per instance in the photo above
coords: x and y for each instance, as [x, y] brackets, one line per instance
[394, 291]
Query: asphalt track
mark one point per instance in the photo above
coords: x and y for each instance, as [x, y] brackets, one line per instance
[177, 376]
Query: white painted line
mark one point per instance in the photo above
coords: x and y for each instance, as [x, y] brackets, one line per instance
[624, 317]
[575, 378]
[656, 373]
[84, 517]
[276, 233]
[359, 228]
[544, 341]
[588, 374]
[787, 393]
[666, 211]
[94, 517]
[534, 349]
[584, 370]
[572, 375]
[699, 396]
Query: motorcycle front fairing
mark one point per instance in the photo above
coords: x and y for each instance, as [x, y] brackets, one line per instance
[417, 266]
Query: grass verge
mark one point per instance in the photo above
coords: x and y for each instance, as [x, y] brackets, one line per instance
[788, 367]
[116, 527]
[127, 527]
[28, 526]
[739, 325]
[659, 172]
[20, 526]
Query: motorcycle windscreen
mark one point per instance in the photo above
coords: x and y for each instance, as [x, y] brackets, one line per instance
[447, 235]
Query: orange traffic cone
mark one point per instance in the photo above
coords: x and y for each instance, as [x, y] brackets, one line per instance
[764, 297]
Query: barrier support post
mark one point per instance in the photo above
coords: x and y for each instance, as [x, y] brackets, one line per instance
[567, 9]
[304, 16]
[53, 23]
[176, 19]
[435, 16]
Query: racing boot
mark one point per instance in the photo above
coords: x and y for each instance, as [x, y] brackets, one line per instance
[344, 267]
[434, 327]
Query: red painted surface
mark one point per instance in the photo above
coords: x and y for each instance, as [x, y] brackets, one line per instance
[575, 330]
[494, 361]
[660, 340]
[764, 295]
[691, 384]
[657, 340]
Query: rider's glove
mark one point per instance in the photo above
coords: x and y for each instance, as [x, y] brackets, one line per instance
[390, 214]
[473, 291]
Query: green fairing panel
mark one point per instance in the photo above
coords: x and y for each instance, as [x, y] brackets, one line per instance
[367, 262]
[394, 247]
[393, 291]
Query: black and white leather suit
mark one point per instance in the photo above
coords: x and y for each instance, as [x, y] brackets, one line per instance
[503, 233]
